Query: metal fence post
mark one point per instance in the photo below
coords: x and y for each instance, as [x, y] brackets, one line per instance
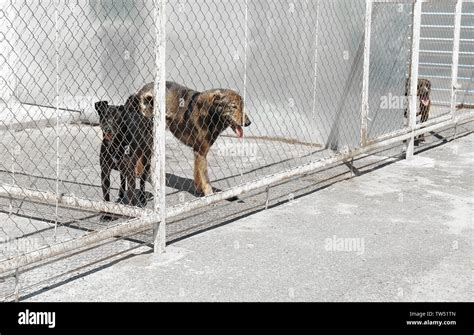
[455, 61]
[158, 160]
[366, 74]
[415, 56]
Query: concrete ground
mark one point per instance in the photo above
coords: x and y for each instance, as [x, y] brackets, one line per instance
[403, 232]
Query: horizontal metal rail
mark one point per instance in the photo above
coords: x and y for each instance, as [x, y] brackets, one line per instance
[467, 53]
[446, 39]
[12, 191]
[440, 103]
[439, 26]
[147, 222]
[449, 90]
[446, 13]
[464, 66]
[440, 13]
[448, 77]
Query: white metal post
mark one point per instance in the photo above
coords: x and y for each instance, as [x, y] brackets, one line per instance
[455, 61]
[315, 71]
[365, 83]
[415, 56]
[159, 128]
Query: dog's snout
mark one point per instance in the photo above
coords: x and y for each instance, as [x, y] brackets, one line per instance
[247, 122]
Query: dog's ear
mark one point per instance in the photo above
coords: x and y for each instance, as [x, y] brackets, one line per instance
[147, 101]
[220, 100]
[215, 97]
[101, 106]
[133, 103]
[428, 84]
[210, 99]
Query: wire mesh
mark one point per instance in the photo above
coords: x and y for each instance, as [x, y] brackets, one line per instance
[254, 89]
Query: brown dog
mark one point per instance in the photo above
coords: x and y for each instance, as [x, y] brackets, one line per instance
[423, 92]
[197, 119]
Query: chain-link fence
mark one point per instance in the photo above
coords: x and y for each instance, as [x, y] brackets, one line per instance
[256, 92]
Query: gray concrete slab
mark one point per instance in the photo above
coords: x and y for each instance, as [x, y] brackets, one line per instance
[400, 233]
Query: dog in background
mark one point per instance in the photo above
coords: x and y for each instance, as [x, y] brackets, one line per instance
[197, 119]
[423, 92]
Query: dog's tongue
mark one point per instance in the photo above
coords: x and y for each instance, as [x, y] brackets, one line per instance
[425, 101]
[239, 131]
[108, 136]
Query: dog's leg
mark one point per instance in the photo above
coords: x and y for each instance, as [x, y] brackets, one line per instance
[425, 112]
[123, 187]
[142, 196]
[105, 177]
[132, 184]
[201, 178]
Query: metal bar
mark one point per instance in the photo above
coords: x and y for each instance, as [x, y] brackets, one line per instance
[415, 55]
[436, 26]
[445, 13]
[244, 93]
[449, 77]
[441, 103]
[364, 114]
[315, 70]
[56, 55]
[467, 53]
[446, 65]
[449, 90]
[50, 198]
[455, 62]
[140, 224]
[397, 1]
[267, 197]
[441, 39]
[159, 127]
[440, 13]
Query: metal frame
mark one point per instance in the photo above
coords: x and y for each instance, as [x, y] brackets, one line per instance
[455, 61]
[415, 55]
[364, 115]
[156, 218]
[159, 127]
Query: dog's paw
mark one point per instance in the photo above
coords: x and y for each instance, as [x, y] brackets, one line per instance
[123, 200]
[107, 218]
[208, 190]
[142, 199]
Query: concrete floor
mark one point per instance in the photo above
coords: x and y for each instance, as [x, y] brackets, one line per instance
[403, 232]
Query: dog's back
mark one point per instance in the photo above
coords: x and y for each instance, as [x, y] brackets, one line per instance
[176, 96]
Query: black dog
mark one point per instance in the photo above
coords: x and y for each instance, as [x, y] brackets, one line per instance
[138, 137]
[123, 148]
